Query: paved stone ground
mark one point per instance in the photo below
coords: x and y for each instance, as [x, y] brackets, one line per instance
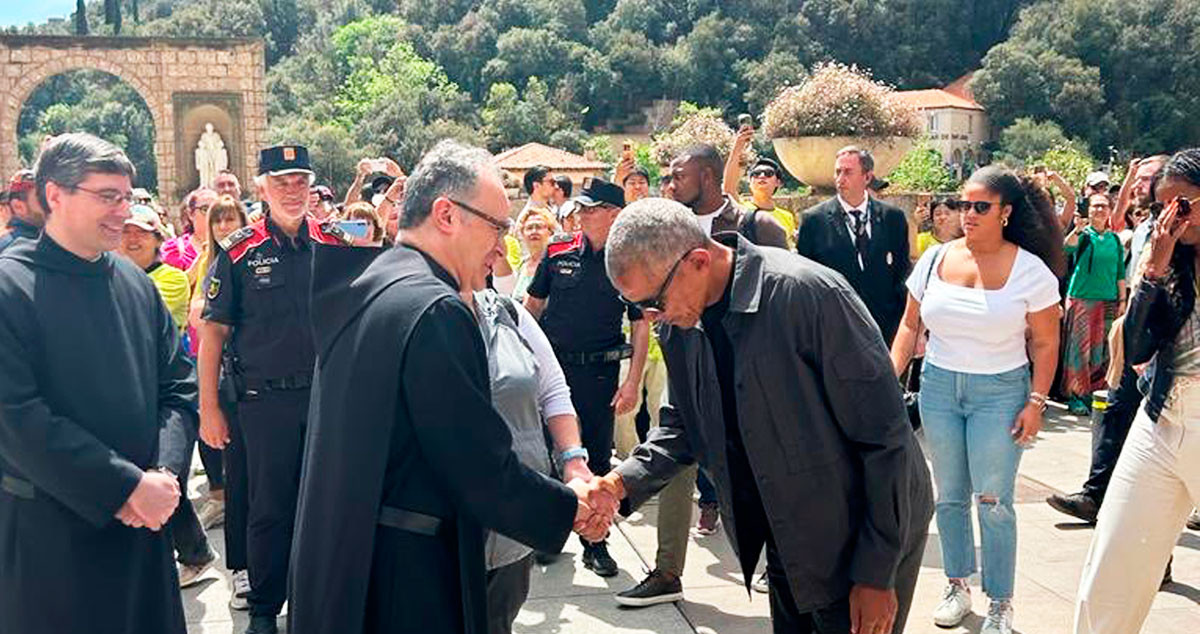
[567, 599]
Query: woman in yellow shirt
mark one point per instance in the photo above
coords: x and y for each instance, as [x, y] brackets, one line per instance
[947, 226]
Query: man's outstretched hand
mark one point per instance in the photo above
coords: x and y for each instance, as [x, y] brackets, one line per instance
[599, 500]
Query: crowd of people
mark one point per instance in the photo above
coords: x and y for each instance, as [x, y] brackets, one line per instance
[405, 399]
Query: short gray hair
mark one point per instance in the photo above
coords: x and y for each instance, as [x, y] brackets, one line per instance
[449, 169]
[864, 157]
[67, 159]
[650, 234]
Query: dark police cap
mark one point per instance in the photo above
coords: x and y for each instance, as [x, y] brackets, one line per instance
[597, 191]
[284, 159]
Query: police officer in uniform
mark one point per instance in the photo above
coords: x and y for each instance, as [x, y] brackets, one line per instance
[581, 312]
[258, 299]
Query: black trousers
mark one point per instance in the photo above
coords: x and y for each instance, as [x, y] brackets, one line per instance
[1108, 436]
[214, 468]
[187, 534]
[507, 589]
[835, 618]
[237, 493]
[273, 426]
[592, 389]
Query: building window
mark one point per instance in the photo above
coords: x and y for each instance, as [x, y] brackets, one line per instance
[933, 121]
[971, 123]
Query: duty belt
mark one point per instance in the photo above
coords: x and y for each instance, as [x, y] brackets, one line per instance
[606, 356]
[410, 521]
[297, 382]
[17, 487]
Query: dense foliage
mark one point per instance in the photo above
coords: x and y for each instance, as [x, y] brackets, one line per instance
[372, 77]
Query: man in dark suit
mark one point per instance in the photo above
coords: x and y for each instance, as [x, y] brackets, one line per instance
[864, 239]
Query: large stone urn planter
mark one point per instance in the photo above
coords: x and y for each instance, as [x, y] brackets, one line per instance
[810, 158]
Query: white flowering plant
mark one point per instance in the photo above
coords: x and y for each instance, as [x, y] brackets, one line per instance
[840, 100]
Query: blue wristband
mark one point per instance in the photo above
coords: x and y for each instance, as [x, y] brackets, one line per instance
[573, 453]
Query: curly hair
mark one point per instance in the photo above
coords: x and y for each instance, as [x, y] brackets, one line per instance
[1032, 225]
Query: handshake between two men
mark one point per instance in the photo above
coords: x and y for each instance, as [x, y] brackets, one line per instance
[599, 499]
[152, 502]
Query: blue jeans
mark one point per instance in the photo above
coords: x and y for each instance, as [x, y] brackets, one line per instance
[968, 421]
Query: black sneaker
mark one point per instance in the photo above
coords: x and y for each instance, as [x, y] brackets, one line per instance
[545, 559]
[1077, 505]
[262, 625]
[597, 559]
[657, 587]
[1193, 520]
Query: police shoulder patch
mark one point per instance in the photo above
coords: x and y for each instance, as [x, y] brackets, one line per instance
[237, 237]
[214, 288]
[565, 243]
[329, 233]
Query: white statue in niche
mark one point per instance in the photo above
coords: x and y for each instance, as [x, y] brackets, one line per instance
[211, 156]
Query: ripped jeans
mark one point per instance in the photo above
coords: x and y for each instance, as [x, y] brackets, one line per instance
[968, 421]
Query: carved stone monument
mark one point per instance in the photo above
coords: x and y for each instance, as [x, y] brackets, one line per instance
[211, 156]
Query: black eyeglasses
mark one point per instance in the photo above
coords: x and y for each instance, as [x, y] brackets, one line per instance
[656, 302]
[501, 227]
[980, 207]
[765, 173]
[110, 197]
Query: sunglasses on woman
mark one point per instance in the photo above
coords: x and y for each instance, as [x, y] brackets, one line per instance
[980, 207]
[764, 172]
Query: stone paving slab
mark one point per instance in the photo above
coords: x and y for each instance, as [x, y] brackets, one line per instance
[567, 599]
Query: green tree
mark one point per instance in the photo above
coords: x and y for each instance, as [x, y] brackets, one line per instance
[923, 169]
[282, 18]
[1027, 139]
[81, 21]
[511, 119]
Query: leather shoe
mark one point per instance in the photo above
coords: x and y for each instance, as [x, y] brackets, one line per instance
[262, 625]
[597, 559]
[1077, 505]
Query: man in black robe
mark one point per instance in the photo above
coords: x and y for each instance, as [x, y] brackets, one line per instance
[96, 397]
[407, 462]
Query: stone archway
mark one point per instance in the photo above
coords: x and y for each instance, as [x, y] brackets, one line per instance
[175, 77]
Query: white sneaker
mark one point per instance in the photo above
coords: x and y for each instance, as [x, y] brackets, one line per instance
[955, 606]
[760, 584]
[999, 618]
[240, 598]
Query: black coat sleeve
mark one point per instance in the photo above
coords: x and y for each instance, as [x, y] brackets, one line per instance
[467, 443]
[56, 454]
[1147, 322]
[653, 464]
[178, 418]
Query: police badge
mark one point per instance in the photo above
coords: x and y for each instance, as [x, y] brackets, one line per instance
[214, 287]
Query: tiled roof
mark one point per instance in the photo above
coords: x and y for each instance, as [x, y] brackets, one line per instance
[937, 98]
[961, 87]
[531, 154]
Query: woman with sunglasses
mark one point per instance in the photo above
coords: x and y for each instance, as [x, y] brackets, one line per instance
[983, 390]
[1156, 482]
[1094, 297]
[765, 179]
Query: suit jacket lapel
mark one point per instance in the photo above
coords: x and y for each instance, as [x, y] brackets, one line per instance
[837, 222]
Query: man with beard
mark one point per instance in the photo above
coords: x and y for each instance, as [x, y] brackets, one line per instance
[258, 299]
[1108, 436]
[96, 396]
[407, 460]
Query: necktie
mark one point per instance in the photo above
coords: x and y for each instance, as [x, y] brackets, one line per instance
[860, 236]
